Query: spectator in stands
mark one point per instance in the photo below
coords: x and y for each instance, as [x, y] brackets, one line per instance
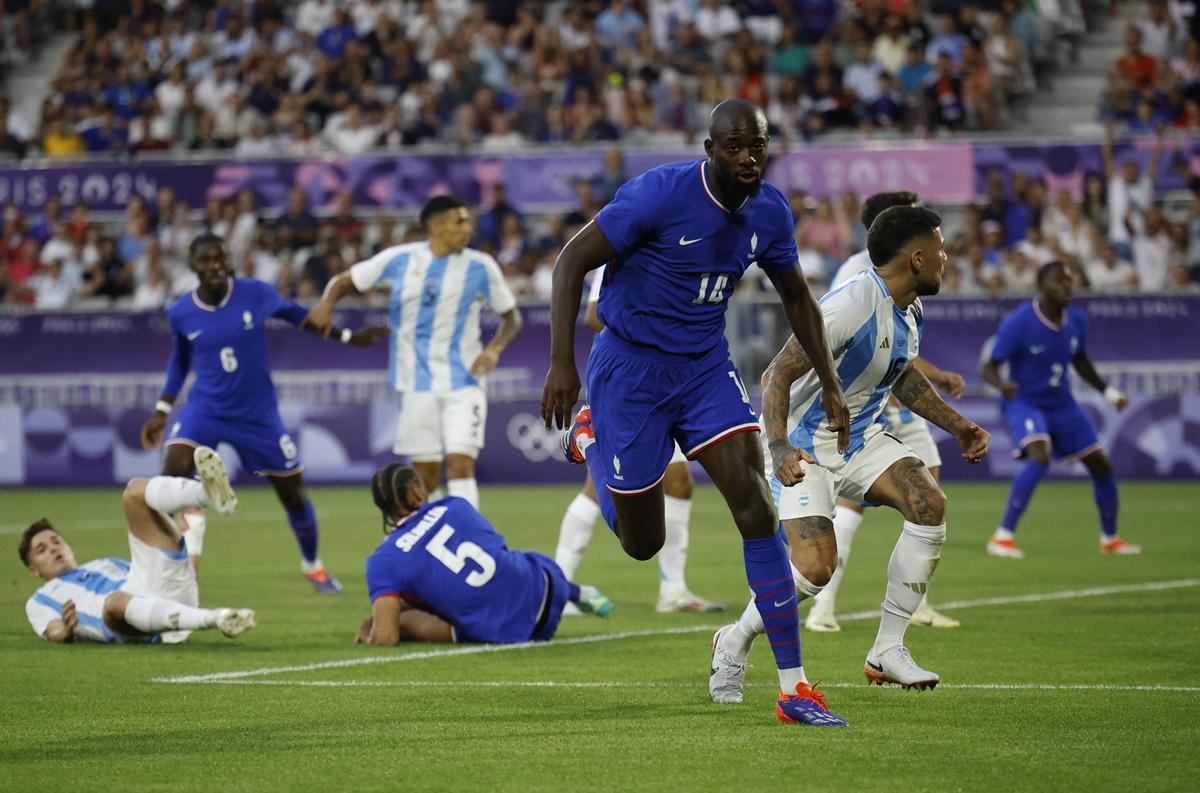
[62, 140]
[297, 227]
[949, 42]
[1110, 273]
[1154, 251]
[944, 96]
[1161, 36]
[1130, 191]
[1138, 67]
[10, 146]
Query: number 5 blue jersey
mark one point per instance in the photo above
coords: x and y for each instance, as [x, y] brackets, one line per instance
[1039, 353]
[680, 253]
[227, 345]
[447, 559]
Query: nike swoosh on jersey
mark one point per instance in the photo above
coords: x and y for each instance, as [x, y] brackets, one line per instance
[684, 241]
[192, 336]
[1037, 349]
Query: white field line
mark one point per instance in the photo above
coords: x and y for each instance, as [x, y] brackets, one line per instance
[476, 649]
[97, 524]
[666, 685]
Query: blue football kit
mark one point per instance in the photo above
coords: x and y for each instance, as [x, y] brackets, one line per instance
[1039, 354]
[232, 399]
[660, 372]
[447, 559]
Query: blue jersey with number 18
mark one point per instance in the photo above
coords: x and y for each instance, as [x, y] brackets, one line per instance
[680, 253]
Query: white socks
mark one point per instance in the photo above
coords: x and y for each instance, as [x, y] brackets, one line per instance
[575, 533]
[152, 615]
[464, 488]
[845, 524]
[672, 559]
[173, 493]
[193, 538]
[315, 566]
[912, 564]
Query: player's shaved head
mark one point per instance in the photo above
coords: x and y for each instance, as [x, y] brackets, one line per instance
[737, 150]
[1049, 270]
[735, 113]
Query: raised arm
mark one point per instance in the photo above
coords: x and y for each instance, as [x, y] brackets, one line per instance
[298, 315]
[586, 251]
[1087, 370]
[804, 316]
[787, 367]
[913, 389]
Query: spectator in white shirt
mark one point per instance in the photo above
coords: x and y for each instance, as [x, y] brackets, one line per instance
[348, 133]
[1153, 250]
[171, 92]
[1111, 274]
[1130, 191]
[257, 143]
[862, 76]
[716, 20]
[1034, 246]
[313, 16]
[54, 287]
[1161, 37]
[214, 92]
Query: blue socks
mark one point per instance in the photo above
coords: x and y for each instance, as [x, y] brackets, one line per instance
[1105, 490]
[304, 526]
[573, 595]
[1022, 490]
[769, 573]
[600, 480]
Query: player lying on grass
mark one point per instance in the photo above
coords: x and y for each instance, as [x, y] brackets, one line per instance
[444, 574]
[874, 324]
[152, 598]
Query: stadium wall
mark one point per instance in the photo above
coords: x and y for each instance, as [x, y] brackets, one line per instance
[75, 389]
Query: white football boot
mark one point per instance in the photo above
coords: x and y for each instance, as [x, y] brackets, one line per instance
[212, 474]
[821, 619]
[727, 675]
[896, 665]
[235, 622]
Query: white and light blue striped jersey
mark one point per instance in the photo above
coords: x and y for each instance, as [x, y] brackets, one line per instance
[434, 312]
[89, 585]
[858, 263]
[873, 341]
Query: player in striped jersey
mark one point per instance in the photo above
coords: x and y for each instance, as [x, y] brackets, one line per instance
[437, 361]
[152, 598]
[873, 324]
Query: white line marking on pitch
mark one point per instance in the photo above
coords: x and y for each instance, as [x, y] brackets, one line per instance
[475, 649]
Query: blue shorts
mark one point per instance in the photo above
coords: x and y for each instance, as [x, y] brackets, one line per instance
[643, 402]
[560, 592]
[263, 445]
[537, 626]
[1068, 429]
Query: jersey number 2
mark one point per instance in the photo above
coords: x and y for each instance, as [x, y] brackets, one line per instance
[714, 295]
[456, 560]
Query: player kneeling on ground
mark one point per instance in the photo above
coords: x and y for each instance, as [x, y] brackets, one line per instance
[445, 575]
[154, 597]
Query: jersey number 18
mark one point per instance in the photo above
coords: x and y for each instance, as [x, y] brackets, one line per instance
[716, 293]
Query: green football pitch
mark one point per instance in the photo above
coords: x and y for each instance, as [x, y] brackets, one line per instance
[1072, 671]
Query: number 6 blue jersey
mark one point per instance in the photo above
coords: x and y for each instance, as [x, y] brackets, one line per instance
[1039, 353]
[447, 559]
[680, 253]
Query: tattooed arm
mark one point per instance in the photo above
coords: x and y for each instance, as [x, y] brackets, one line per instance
[789, 365]
[913, 389]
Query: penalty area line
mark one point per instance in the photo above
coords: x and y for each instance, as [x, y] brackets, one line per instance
[476, 649]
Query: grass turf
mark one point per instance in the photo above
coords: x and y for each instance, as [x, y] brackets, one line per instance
[635, 715]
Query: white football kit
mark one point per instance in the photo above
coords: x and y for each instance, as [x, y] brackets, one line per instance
[873, 343]
[153, 572]
[434, 317]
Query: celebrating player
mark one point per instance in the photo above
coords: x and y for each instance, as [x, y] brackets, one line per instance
[152, 598]
[679, 237]
[437, 361]
[875, 324]
[1039, 341]
[444, 574]
[909, 429]
[580, 519]
[221, 329]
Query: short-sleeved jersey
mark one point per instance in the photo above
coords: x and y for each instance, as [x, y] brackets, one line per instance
[1039, 353]
[447, 559]
[227, 346]
[858, 263]
[680, 253]
[89, 585]
[434, 311]
[873, 342]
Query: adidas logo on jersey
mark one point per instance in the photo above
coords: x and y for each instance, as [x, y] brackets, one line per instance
[885, 344]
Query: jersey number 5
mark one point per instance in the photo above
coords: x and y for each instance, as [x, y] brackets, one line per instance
[456, 560]
[714, 295]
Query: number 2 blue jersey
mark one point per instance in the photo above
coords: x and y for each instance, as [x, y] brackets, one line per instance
[680, 253]
[1039, 353]
[227, 345]
[447, 559]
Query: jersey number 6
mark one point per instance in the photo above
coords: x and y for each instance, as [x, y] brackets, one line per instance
[456, 560]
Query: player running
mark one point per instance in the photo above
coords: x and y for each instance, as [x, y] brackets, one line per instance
[437, 362]
[1039, 341]
[679, 237]
[874, 322]
[443, 574]
[908, 428]
[220, 329]
[152, 598]
[579, 521]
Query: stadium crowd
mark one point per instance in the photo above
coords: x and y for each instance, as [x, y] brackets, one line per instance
[1156, 78]
[267, 78]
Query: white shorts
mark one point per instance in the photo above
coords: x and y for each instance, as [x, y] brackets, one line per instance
[433, 424]
[823, 485]
[158, 573]
[915, 434]
[678, 456]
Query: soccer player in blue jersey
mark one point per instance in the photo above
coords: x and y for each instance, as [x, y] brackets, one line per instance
[1040, 341]
[444, 574]
[220, 331]
[874, 323]
[677, 239]
[153, 597]
[437, 361]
